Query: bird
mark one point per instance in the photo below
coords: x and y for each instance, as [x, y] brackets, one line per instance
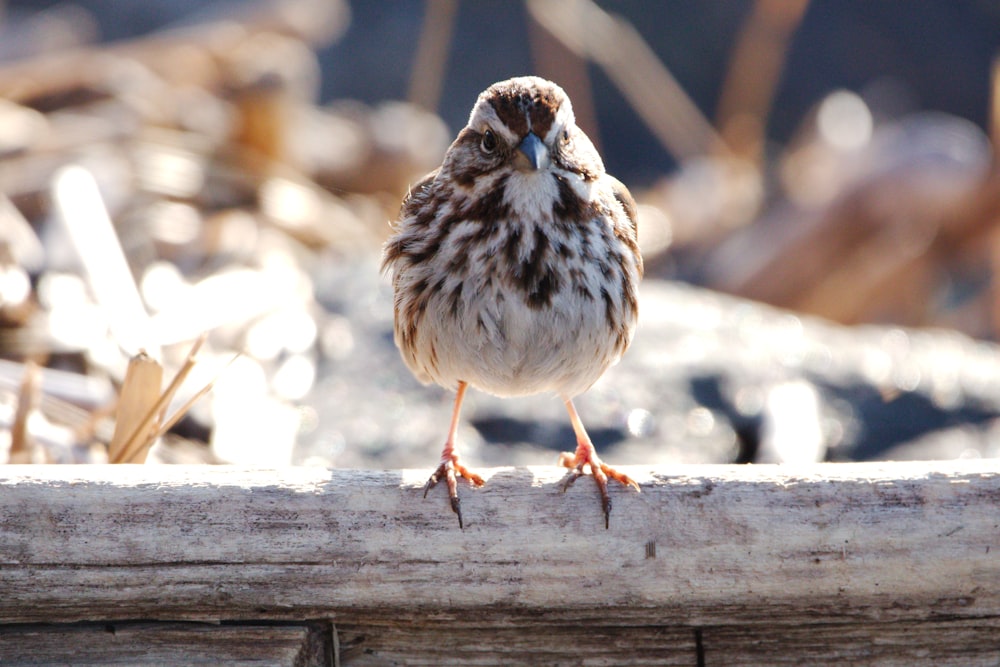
[515, 268]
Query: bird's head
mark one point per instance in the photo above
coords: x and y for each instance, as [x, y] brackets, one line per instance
[523, 126]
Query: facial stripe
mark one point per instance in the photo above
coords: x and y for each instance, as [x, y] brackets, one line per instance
[526, 104]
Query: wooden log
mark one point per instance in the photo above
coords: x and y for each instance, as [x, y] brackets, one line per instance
[894, 558]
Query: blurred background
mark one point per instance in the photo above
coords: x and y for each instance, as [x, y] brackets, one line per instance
[208, 183]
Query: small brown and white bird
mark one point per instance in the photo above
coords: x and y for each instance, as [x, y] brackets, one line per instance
[515, 267]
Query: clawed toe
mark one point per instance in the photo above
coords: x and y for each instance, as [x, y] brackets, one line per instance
[600, 471]
[450, 470]
[585, 456]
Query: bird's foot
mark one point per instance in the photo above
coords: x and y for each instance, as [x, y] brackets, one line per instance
[450, 470]
[585, 458]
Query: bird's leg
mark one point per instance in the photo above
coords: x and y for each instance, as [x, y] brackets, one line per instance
[450, 468]
[586, 456]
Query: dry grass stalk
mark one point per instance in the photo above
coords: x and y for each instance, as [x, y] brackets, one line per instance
[22, 448]
[168, 423]
[154, 422]
[139, 393]
[135, 448]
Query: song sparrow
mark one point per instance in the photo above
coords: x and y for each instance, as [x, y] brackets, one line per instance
[515, 267]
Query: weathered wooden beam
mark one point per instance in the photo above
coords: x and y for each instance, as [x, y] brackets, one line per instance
[702, 556]
[81, 542]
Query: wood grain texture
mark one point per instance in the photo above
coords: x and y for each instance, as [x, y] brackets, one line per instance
[954, 643]
[707, 560]
[158, 644]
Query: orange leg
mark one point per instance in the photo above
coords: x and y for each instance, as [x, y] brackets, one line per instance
[450, 468]
[586, 456]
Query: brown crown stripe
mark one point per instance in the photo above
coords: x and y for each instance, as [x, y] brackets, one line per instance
[515, 105]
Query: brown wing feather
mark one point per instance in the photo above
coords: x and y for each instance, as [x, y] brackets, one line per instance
[417, 194]
[414, 198]
[624, 198]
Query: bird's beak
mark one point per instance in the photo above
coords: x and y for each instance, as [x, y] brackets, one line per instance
[531, 154]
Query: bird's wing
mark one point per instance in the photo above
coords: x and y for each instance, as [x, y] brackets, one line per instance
[417, 194]
[624, 198]
[393, 248]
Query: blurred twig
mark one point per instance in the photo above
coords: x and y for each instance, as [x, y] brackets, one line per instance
[635, 69]
[431, 58]
[757, 61]
[190, 54]
[994, 119]
[89, 227]
[554, 61]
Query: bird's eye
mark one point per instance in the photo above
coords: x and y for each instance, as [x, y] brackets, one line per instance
[489, 142]
[565, 137]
